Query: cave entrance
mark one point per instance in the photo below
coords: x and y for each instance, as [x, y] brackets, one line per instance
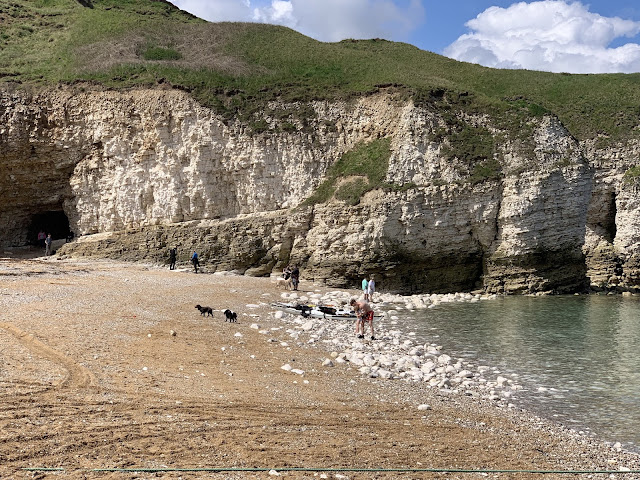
[54, 222]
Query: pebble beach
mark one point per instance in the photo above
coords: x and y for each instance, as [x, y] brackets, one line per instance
[393, 355]
[108, 364]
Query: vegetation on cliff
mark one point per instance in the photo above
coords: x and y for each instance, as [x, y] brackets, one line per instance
[239, 68]
[632, 176]
[359, 171]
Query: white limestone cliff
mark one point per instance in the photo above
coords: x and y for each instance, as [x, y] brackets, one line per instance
[152, 168]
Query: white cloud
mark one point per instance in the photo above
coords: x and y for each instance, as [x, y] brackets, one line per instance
[334, 20]
[549, 35]
[325, 20]
[217, 10]
[280, 12]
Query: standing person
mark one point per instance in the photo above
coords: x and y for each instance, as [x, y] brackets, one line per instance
[173, 253]
[364, 313]
[365, 285]
[47, 245]
[41, 237]
[371, 288]
[295, 277]
[195, 261]
[286, 272]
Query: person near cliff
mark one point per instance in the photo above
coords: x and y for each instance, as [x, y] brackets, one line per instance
[371, 288]
[364, 313]
[295, 277]
[47, 245]
[41, 238]
[286, 272]
[173, 254]
[195, 260]
[365, 285]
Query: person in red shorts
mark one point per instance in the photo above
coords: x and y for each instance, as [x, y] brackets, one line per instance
[364, 313]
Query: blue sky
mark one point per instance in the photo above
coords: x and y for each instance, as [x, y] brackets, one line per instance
[600, 36]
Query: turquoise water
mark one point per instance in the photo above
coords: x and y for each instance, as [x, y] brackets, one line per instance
[585, 350]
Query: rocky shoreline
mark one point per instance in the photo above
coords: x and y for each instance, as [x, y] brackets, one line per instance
[395, 356]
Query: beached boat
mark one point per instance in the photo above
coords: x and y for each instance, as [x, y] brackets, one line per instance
[330, 312]
[316, 311]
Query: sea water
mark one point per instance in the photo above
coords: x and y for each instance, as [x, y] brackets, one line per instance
[576, 357]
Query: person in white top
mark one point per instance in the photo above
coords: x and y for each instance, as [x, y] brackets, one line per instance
[371, 288]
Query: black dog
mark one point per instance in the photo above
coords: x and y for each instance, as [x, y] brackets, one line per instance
[205, 311]
[231, 316]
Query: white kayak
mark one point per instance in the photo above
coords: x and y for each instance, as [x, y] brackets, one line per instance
[317, 311]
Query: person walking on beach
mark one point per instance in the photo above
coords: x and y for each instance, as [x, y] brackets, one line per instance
[173, 253]
[295, 277]
[371, 288]
[365, 285]
[195, 261]
[47, 245]
[364, 313]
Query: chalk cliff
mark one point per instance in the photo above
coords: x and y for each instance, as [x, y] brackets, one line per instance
[137, 172]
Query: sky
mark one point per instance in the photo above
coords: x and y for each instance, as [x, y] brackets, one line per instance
[600, 36]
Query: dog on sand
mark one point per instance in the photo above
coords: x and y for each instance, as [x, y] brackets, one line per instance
[282, 283]
[230, 316]
[205, 311]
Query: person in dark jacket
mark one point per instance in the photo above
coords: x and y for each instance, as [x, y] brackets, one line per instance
[173, 253]
[295, 277]
[195, 261]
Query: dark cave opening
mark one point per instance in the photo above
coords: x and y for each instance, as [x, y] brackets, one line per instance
[54, 222]
[610, 220]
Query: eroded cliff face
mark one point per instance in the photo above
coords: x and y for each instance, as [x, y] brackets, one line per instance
[141, 171]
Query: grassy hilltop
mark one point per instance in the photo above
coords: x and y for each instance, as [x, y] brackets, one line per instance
[237, 68]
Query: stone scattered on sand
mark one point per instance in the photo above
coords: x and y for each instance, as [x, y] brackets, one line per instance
[397, 355]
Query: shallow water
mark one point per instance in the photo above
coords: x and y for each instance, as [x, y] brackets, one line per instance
[584, 350]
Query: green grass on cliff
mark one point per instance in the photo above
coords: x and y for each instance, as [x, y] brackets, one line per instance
[359, 171]
[238, 68]
[632, 175]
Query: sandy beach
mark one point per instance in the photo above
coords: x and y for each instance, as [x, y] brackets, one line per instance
[109, 371]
